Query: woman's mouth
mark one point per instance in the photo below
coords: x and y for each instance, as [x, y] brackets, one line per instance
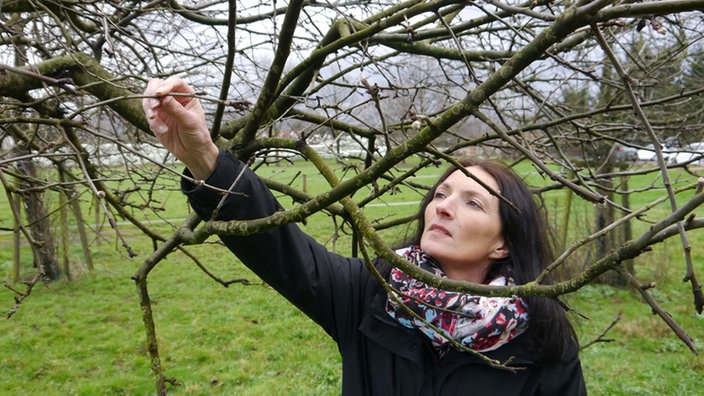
[440, 229]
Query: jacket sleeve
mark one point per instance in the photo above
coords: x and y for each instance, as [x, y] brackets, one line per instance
[322, 284]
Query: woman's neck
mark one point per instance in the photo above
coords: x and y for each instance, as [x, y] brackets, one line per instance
[474, 275]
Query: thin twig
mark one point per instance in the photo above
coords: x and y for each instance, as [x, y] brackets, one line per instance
[22, 295]
[657, 309]
[600, 337]
[229, 191]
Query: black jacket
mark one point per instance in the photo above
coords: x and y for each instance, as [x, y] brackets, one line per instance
[379, 356]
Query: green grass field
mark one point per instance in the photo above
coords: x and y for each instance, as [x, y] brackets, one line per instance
[86, 337]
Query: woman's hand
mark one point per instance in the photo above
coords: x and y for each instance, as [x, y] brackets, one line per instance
[178, 121]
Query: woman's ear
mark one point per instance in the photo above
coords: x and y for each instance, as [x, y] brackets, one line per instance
[500, 251]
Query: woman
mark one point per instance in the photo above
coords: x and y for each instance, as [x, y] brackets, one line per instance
[465, 233]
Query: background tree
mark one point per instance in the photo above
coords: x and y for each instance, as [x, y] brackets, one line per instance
[555, 84]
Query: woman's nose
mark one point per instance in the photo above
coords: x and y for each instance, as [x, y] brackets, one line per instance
[444, 208]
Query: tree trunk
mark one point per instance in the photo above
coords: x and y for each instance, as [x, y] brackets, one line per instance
[38, 220]
[16, 239]
[81, 227]
[64, 237]
[627, 233]
[604, 216]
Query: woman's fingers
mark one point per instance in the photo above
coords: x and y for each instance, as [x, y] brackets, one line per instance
[174, 85]
[150, 105]
[163, 109]
[172, 109]
[165, 87]
[177, 118]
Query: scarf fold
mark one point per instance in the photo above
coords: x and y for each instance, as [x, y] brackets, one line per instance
[477, 322]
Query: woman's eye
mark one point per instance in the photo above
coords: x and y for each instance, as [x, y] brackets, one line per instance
[438, 194]
[474, 203]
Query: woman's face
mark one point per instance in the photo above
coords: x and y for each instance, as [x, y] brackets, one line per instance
[463, 227]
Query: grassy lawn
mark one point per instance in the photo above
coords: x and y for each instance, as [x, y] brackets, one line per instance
[86, 337]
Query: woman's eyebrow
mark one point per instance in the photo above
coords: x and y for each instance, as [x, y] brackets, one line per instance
[443, 185]
[479, 192]
[484, 196]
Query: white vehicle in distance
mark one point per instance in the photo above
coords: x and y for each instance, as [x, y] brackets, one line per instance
[692, 153]
[648, 153]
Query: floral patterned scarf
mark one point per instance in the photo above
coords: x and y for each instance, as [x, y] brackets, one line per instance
[477, 322]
